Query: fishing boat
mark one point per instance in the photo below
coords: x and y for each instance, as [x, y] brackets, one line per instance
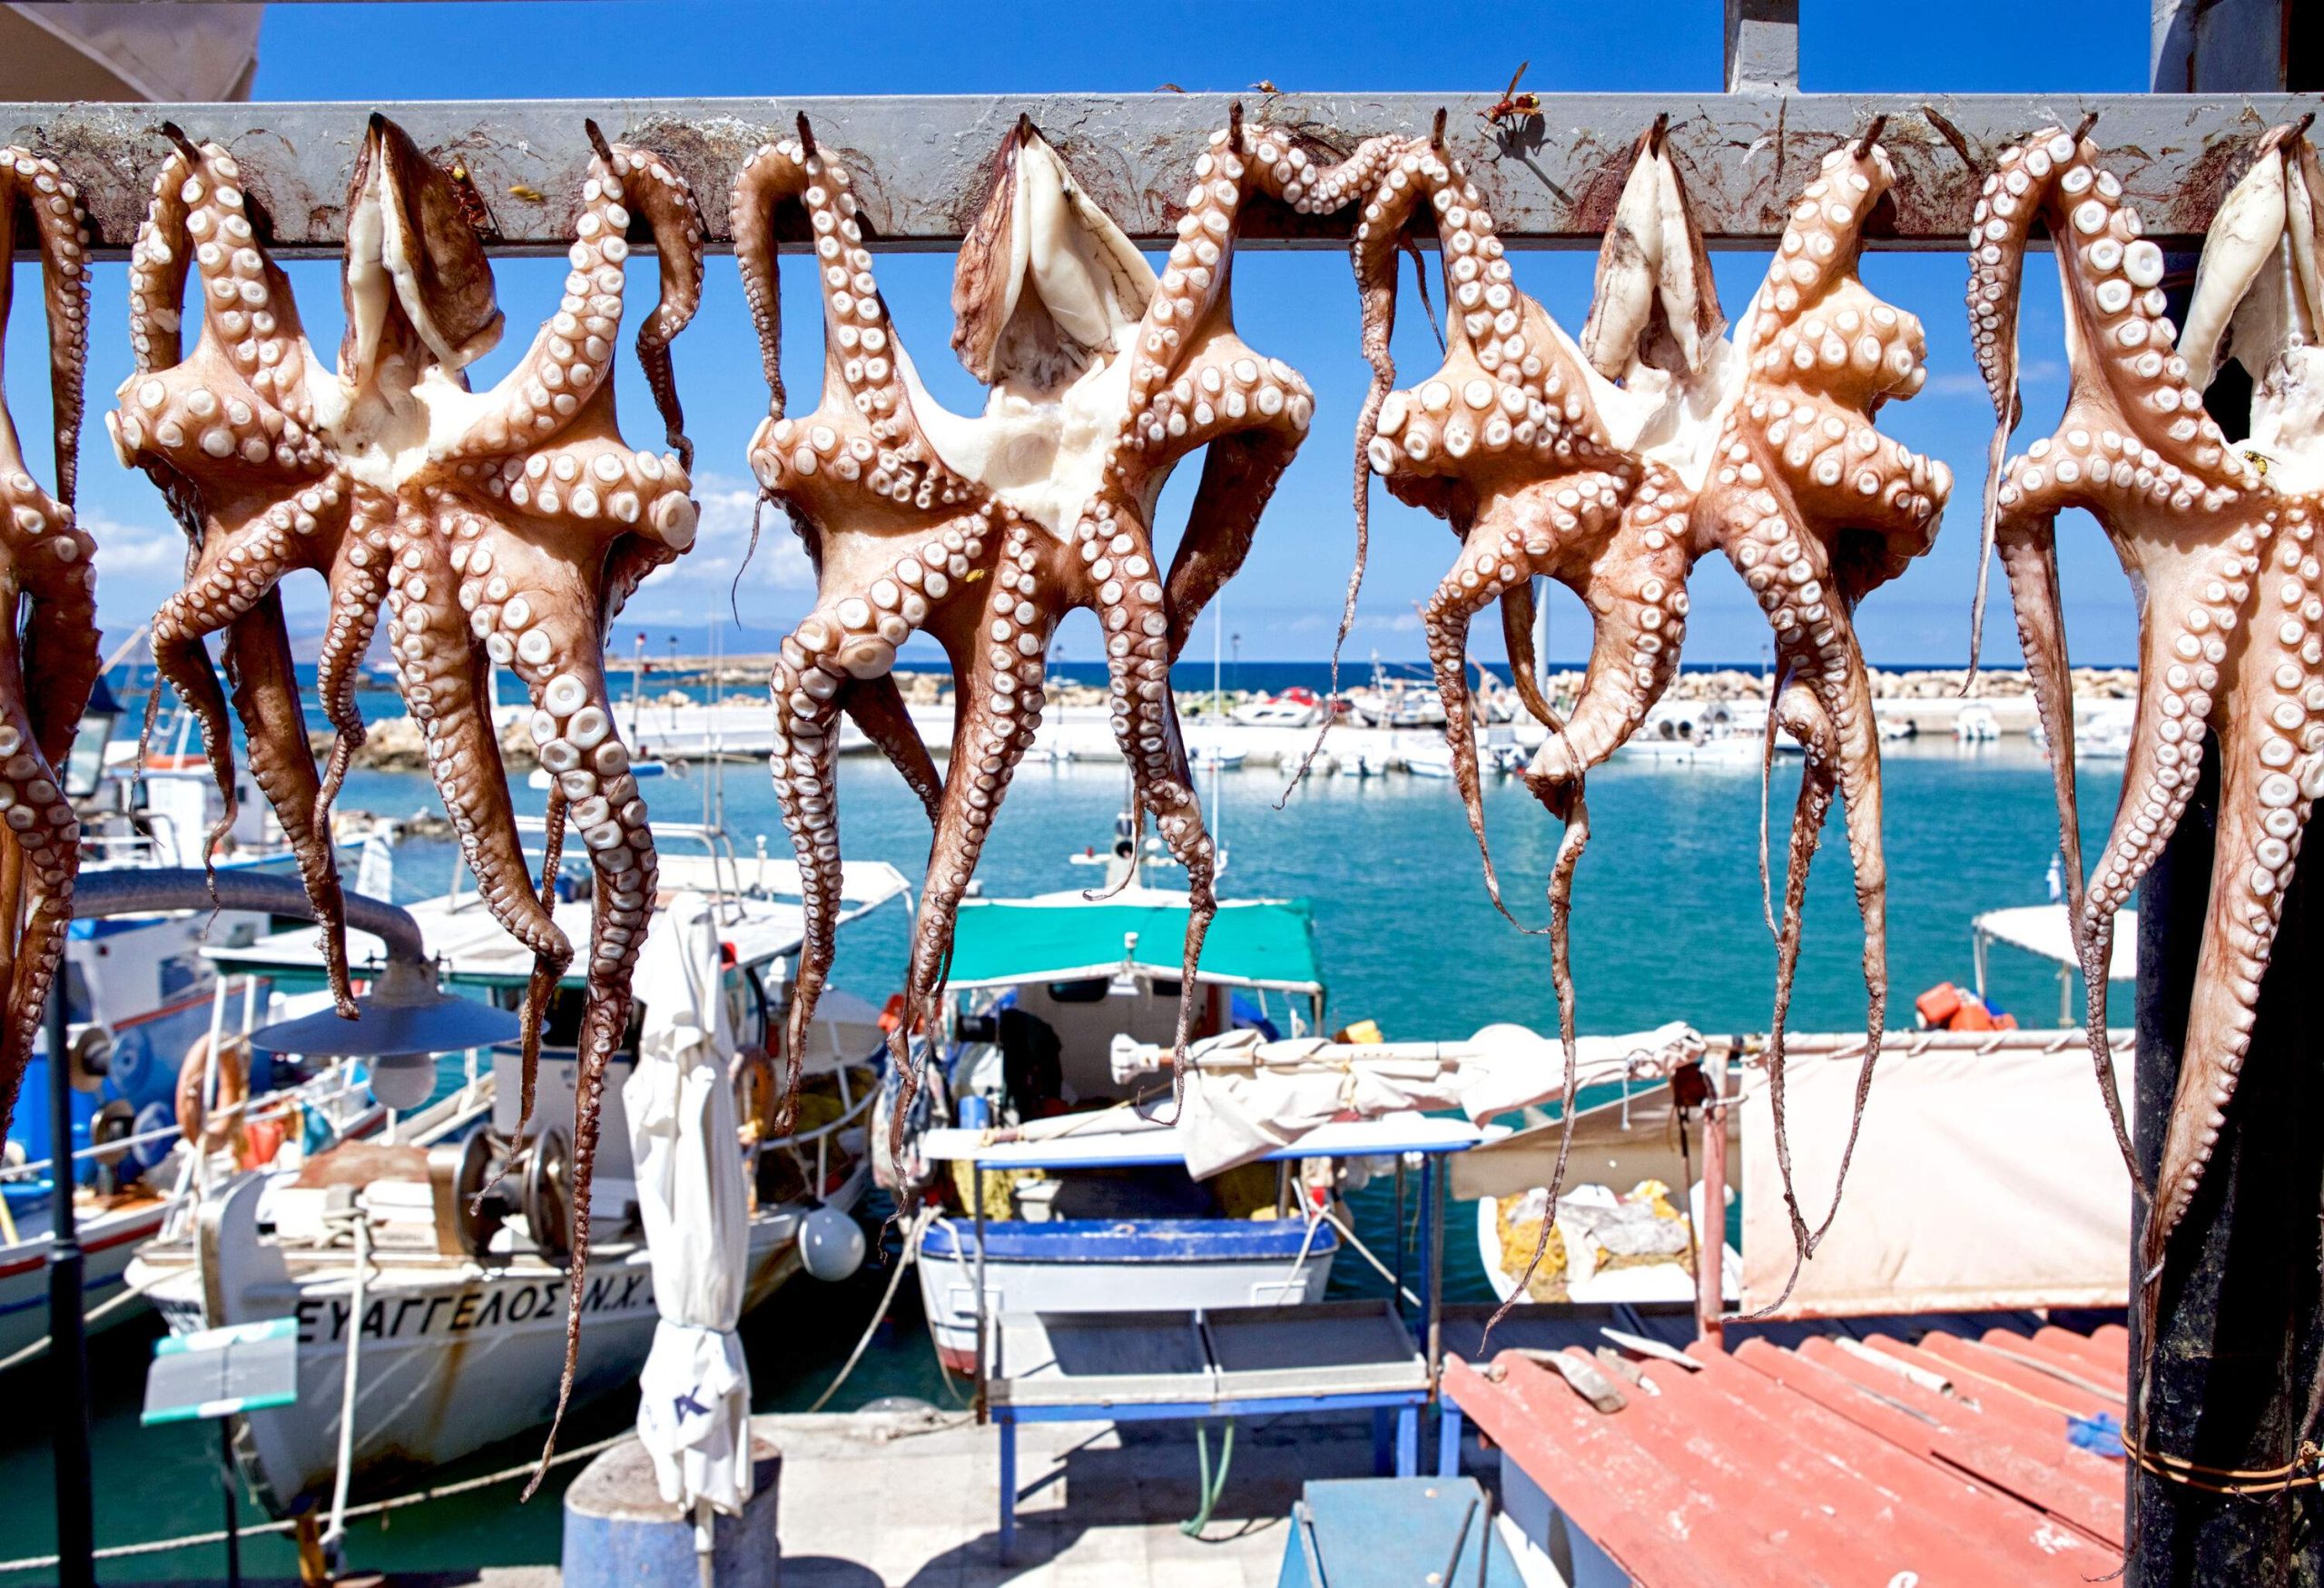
[427, 1274]
[1975, 723]
[1296, 707]
[1693, 733]
[1045, 993]
[141, 1003]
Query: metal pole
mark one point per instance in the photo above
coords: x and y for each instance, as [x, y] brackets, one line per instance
[233, 1522]
[1710, 1230]
[68, 1354]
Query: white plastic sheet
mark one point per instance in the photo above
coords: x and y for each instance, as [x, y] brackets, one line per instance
[693, 1412]
[1246, 1096]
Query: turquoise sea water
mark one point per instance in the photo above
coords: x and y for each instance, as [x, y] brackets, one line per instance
[1667, 927]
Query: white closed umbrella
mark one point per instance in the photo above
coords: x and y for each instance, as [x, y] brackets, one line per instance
[693, 1412]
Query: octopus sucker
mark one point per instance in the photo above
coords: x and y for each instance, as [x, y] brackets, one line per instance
[234, 434]
[49, 647]
[983, 532]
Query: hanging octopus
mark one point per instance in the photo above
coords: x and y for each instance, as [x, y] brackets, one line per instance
[522, 522]
[985, 531]
[2221, 542]
[1815, 510]
[234, 434]
[1532, 456]
[1763, 448]
[48, 649]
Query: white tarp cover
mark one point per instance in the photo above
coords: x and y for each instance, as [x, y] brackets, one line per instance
[2044, 930]
[1981, 1181]
[694, 1411]
[1246, 1097]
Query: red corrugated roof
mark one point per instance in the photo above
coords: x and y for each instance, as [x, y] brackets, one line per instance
[1945, 1458]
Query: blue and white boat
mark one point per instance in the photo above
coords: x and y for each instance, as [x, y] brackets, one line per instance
[1044, 992]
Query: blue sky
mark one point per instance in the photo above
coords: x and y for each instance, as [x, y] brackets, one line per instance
[1299, 307]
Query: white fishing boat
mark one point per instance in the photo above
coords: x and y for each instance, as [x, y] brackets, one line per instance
[1430, 758]
[430, 1271]
[1694, 733]
[2100, 733]
[1293, 708]
[1975, 723]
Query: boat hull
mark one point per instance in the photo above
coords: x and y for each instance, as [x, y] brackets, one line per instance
[450, 1360]
[108, 1242]
[1139, 1266]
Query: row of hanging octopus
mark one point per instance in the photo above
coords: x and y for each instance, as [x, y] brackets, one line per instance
[506, 527]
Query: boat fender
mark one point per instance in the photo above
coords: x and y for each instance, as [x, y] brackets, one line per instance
[751, 1072]
[210, 1124]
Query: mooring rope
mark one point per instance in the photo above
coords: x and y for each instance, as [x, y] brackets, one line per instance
[114, 1552]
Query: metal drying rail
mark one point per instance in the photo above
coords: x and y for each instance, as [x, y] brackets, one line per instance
[922, 163]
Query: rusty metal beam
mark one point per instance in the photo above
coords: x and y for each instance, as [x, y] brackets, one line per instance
[921, 163]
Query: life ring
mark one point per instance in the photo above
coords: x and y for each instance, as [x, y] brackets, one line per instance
[757, 1092]
[195, 1121]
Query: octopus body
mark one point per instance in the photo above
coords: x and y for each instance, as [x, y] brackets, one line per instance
[234, 432]
[521, 523]
[984, 532]
[2224, 553]
[48, 646]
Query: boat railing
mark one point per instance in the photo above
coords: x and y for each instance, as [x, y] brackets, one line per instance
[717, 844]
[852, 1109]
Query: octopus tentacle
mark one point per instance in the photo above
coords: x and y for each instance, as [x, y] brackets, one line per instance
[1474, 582]
[2029, 560]
[565, 678]
[1516, 609]
[824, 661]
[1239, 474]
[439, 670]
[2266, 794]
[265, 684]
[359, 586]
[48, 646]
[1816, 508]
[571, 356]
[674, 220]
[1145, 720]
[231, 436]
[877, 707]
[990, 735]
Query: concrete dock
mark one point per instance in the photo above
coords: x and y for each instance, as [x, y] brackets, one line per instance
[880, 1500]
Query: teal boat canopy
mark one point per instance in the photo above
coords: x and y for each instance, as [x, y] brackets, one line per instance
[1269, 944]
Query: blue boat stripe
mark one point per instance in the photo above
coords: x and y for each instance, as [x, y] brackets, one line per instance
[1131, 1240]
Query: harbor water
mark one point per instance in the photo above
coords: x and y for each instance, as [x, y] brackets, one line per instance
[1668, 926]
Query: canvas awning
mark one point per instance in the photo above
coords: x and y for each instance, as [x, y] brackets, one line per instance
[1269, 944]
[2045, 930]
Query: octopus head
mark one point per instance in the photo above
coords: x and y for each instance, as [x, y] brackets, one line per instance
[1047, 286]
[416, 280]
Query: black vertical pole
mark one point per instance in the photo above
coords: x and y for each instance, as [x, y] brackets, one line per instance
[233, 1522]
[2235, 1356]
[68, 1354]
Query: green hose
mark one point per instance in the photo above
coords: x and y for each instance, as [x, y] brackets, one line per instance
[1205, 1487]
